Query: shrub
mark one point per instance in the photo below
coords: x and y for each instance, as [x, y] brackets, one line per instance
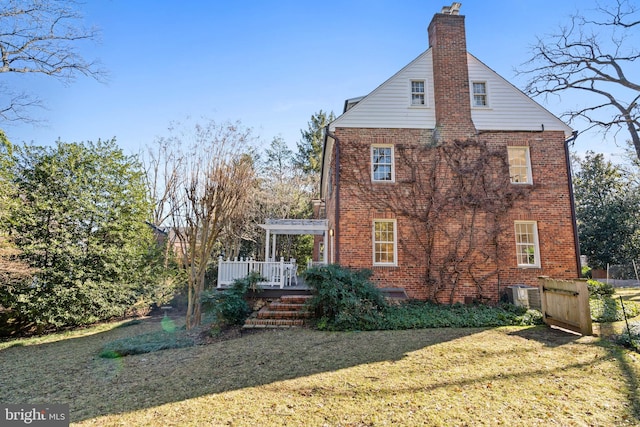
[347, 300]
[80, 226]
[599, 289]
[230, 306]
[421, 314]
[607, 309]
[630, 336]
[344, 299]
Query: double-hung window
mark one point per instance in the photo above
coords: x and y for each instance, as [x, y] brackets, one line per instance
[527, 249]
[480, 94]
[417, 93]
[384, 242]
[382, 169]
[519, 165]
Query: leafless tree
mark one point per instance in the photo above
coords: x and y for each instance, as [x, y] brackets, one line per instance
[162, 164]
[41, 37]
[597, 57]
[209, 186]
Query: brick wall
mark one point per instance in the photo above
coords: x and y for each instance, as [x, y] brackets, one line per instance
[423, 247]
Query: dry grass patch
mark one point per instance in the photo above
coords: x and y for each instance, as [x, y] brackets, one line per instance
[504, 376]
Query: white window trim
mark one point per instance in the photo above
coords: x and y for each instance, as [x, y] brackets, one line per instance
[528, 159]
[426, 100]
[536, 241]
[395, 243]
[486, 95]
[393, 163]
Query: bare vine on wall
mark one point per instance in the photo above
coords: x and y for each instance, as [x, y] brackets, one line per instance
[455, 197]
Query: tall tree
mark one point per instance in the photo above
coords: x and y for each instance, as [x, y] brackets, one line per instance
[309, 155]
[240, 234]
[81, 223]
[594, 55]
[608, 212]
[41, 37]
[285, 194]
[213, 185]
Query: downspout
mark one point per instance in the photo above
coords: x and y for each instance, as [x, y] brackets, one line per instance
[337, 180]
[574, 220]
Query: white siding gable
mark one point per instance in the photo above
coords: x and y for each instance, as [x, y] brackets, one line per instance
[508, 107]
[389, 105]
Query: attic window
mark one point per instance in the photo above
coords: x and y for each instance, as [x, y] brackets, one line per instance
[417, 92]
[480, 94]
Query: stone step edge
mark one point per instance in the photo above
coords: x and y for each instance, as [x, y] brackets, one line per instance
[266, 323]
[299, 299]
[271, 314]
[283, 306]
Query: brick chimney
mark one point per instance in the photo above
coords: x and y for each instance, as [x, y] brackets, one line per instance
[450, 75]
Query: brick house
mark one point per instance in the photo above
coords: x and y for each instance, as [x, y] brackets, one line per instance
[447, 181]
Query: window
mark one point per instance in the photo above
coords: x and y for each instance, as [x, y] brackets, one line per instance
[519, 165]
[382, 163]
[480, 94]
[527, 250]
[417, 92]
[384, 242]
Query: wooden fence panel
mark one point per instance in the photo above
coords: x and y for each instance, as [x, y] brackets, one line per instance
[565, 304]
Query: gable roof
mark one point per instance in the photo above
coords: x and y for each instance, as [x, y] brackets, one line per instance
[388, 106]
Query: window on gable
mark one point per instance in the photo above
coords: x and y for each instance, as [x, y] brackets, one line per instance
[519, 165]
[384, 242]
[480, 94]
[382, 163]
[417, 92]
[527, 249]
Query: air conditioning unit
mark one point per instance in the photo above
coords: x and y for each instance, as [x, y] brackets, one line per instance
[525, 296]
[518, 295]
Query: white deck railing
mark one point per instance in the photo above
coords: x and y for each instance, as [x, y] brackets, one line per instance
[275, 273]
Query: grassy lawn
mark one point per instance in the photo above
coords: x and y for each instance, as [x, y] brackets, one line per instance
[516, 376]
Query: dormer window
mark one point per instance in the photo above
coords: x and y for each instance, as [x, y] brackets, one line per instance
[417, 93]
[480, 94]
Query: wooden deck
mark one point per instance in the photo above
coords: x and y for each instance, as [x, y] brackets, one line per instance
[270, 292]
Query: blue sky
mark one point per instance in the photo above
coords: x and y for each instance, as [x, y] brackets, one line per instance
[268, 64]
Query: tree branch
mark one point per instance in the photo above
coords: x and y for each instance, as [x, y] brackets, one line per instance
[43, 37]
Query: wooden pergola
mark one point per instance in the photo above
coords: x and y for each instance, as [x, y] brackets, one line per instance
[274, 227]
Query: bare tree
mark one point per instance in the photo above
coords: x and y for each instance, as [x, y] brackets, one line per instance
[596, 57]
[209, 185]
[41, 37]
[162, 164]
